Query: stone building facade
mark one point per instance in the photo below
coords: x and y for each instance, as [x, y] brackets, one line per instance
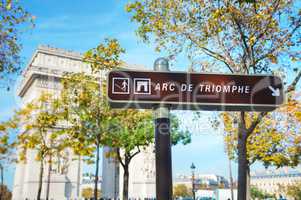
[275, 182]
[43, 73]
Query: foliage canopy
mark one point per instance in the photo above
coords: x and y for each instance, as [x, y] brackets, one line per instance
[12, 17]
[243, 36]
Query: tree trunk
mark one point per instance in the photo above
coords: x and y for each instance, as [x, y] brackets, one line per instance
[231, 178]
[78, 178]
[48, 177]
[248, 182]
[40, 180]
[125, 193]
[96, 172]
[242, 160]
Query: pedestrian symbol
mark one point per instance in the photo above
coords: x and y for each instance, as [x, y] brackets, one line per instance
[121, 85]
[124, 85]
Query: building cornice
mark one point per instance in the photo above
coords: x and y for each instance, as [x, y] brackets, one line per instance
[31, 72]
[34, 70]
[265, 176]
[30, 79]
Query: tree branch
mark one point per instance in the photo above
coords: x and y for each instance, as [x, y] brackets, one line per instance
[217, 57]
[225, 50]
[119, 157]
[266, 28]
[263, 114]
[242, 119]
[255, 123]
[133, 155]
[243, 38]
[284, 39]
[209, 52]
[292, 86]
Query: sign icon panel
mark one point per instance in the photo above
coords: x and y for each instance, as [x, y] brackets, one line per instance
[121, 85]
[142, 86]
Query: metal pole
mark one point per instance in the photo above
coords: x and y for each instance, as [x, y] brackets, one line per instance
[162, 144]
[193, 186]
[192, 167]
[242, 160]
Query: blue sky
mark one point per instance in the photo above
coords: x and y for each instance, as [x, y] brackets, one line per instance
[79, 25]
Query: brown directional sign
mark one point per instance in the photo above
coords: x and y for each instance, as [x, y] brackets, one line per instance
[231, 92]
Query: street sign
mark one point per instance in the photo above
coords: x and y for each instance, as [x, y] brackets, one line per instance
[194, 91]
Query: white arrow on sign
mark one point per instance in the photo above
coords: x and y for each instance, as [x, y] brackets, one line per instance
[275, 92]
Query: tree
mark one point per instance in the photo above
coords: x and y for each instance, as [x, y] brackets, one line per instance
[36, 126]
[258, 194]
[294, 190]
[178, 134]
[87, 193]
[6, 193]
[203, 186]
[271, 144]
[87, 115]
[181, 190]
[221, 185]
[132, 131]
[12, 18]
[248, 37]
[85, 108]
[275, 141]
[7, 149]
[105, 56]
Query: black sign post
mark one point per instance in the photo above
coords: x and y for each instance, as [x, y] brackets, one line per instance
[162, 144]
